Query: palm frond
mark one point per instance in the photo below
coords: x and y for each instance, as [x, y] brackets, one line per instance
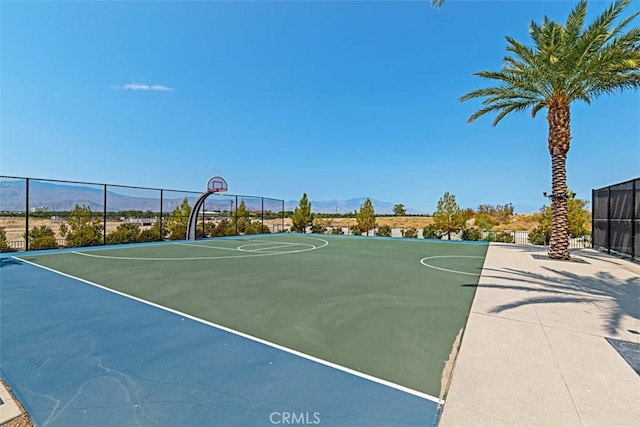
[565, 63]
[503, 109]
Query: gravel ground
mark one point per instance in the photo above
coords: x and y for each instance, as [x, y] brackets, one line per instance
[22, 420]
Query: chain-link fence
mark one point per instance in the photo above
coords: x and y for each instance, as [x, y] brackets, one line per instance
[43, 213]
[616, 218]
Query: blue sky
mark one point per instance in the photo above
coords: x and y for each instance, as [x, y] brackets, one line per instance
[338, 99]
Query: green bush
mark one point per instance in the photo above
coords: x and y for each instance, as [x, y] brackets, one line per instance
[471, 234]
[150, 235]
[410, 233]
[505, 237]
[500, 237]
[81, 229]
[384, 231]
[4, 246]
[257, 228]
[318, 229]
[540, 236]
[431, 232]
[337, 230]
[42, 237]
[125, 233]
[221, 229]
[355, 230]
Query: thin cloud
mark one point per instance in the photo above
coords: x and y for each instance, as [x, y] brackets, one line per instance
[142, 86]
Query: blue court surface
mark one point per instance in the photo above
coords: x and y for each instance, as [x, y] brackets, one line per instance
[76, 354]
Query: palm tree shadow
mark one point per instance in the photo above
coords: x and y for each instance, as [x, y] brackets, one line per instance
[565, 287]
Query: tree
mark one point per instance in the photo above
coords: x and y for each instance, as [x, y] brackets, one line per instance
[241, 218]
[448, 217]
[577, 220]
[399, 210]
[302, 217]
[178, 221]
[366, 217]
[80, 229]
[567, 63]
[42, 237]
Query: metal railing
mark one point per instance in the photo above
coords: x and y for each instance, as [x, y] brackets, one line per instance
[27, 203]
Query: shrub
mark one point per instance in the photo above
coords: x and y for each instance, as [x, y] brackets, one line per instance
[125, 233]
[42, 237]
[410, 233]
[355, 230]
[250, 229]
[540, 236]
[504, 237]
[471, 234]
[318, 229]
[4, 246]
[337, 230]
[501, 237]
[260, 228]
[80, 229]
[150, 235]
[221, 229]
[384, 231]
[431, 232]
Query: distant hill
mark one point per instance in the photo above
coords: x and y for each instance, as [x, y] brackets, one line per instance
[64, 197]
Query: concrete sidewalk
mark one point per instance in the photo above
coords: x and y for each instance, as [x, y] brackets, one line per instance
[534, 350]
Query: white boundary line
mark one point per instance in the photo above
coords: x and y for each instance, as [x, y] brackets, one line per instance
[254, 253]
[446, 269]
[249, 337]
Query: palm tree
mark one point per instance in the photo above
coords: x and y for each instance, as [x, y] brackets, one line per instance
[567, 63]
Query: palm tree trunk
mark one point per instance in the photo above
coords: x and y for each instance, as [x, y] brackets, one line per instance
[559, 140]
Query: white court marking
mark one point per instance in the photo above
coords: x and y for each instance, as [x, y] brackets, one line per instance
[422, 261]
[244, 253]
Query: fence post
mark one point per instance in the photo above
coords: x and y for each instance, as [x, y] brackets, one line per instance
[262, 213]
[609, 219]
[161, 196]
[26, 216]
[593, 215]
[633, 219]
[236, 217]
[104, 217]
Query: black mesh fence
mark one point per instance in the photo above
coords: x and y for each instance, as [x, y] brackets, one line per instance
[616, 218]
[43, 214]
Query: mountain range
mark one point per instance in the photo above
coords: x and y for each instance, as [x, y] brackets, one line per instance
[64, 197]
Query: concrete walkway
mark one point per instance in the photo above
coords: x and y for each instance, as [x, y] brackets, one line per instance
[534, 351]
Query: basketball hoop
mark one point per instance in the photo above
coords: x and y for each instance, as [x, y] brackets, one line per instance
[217, 185]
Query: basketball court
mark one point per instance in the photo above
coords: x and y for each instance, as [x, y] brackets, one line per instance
[236, 331]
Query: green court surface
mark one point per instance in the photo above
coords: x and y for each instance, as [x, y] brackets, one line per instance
[387, 308]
